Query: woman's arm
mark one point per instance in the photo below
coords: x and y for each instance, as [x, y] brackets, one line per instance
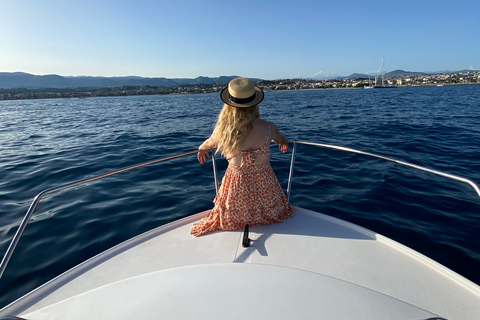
[202, 154]
[279, 138]
[207, 144]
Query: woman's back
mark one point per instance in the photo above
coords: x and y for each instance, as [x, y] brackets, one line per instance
[259, 136]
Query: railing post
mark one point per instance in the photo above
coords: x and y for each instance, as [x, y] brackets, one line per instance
[291, 170]
[214, 164]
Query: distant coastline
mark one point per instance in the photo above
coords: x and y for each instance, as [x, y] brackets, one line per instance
[209, 85]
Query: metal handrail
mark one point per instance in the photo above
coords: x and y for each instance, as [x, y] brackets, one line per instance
[443, 174]
[37, 199]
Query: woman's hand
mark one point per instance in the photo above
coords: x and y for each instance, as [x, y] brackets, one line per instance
[202, 156]
[283, 147]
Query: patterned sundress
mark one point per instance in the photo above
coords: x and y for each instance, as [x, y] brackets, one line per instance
[249, 194]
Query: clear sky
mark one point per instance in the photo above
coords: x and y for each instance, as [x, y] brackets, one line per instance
[261, 39]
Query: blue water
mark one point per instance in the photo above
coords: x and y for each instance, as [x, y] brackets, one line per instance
[46, 143]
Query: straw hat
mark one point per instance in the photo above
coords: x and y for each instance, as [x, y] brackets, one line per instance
[242, 93]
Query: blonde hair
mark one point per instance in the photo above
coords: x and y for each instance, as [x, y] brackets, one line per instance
[232, 128]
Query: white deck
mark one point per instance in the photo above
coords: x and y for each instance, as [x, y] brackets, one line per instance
[314, 265]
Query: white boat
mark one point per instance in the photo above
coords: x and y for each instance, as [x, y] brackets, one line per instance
[380, 78]
[370, 85]
[311, 266]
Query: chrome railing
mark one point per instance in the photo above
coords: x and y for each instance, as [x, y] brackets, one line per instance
[36, 200]
[443, 174]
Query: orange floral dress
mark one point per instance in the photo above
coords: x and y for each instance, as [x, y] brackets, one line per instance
[249, 194]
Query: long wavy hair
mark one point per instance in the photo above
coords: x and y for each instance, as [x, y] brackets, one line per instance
[232, 128]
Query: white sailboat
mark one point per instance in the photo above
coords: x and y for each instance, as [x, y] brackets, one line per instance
[370, 85]
[380, 78]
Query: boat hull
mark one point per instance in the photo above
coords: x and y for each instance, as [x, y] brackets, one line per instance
[311, 264]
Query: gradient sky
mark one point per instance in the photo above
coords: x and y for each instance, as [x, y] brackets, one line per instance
[261, 39]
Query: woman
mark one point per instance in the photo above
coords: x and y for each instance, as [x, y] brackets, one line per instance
[250, 192]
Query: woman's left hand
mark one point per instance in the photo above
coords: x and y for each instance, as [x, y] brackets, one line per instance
[283, 147]
[202, 156]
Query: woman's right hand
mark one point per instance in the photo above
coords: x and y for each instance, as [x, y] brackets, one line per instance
[202, 156]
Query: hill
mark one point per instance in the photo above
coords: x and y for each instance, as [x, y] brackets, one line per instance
[396, 73]
[359, 76]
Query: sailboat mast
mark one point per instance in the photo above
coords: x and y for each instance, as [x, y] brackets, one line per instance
[382, 70]
[380, 79]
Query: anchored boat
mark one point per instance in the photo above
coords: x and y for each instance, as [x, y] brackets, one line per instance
[311, 266]
[380, 82]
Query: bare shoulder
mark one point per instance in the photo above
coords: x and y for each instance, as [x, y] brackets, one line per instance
[260, 122]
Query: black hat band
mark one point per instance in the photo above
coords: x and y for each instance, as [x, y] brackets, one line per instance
[242, 100]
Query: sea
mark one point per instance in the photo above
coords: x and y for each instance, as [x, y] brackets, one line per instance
[48, 143]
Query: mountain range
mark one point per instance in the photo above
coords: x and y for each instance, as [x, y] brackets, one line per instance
[14, 80]
[11, 80]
